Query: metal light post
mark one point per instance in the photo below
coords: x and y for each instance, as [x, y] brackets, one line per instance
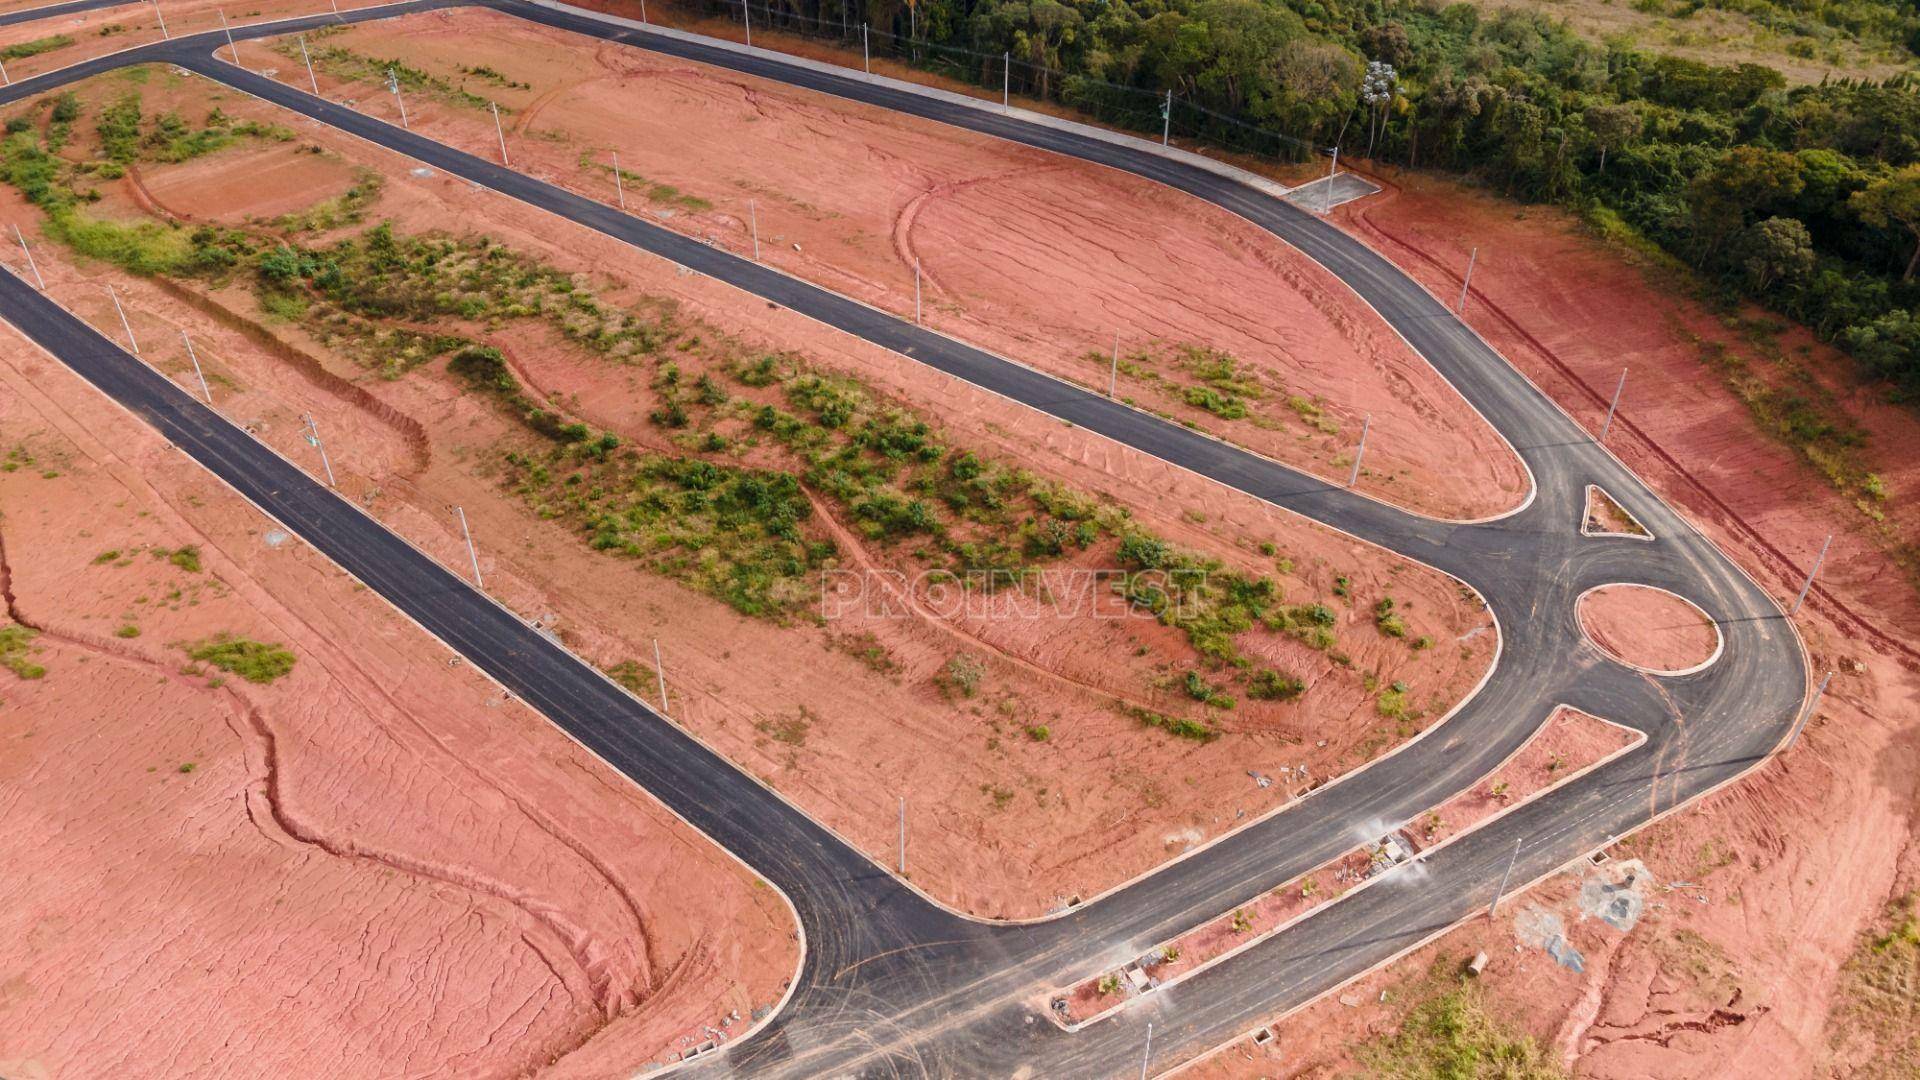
[660, 676]
[195, 357]
[393, 84]
[28, 252]
[1113, 372]
[619, 189]
[313, 436]
[1006, 82]
[643, 10]
[903, 836]
[312, 79]
[158, 14]
[1326, 201]
[1360, 454]
[1808, 586]
[1166, 119]
[5, 80]
[124, 324]
[866, 55]
[916, 290]
[1146, 1055]
[1467, 282]
[472, 557]
[1621, 385]
[231, 47]
[746, 13]
[500, 132]
[1494, 908]
[753, 220]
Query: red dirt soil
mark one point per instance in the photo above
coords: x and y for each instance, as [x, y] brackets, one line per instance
[1568, 744]
[1002, 824]
[1735, 975]
[373, 866]
[1648, 628]
[1028, 254]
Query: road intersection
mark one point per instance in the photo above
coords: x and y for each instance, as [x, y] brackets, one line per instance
[893, 984]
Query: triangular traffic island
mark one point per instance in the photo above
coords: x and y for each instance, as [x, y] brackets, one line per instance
[1606, 517]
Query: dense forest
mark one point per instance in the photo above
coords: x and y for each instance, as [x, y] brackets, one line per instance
[1804, 198]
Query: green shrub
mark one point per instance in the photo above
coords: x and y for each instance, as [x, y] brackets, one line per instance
[254, 661]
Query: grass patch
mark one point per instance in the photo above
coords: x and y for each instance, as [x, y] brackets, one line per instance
[254, 661]
[1875, 1018]
[1452, 1033]
[16, 649]
[23, 49]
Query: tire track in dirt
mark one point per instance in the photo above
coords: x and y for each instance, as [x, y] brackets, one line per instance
[902, 234]
[1784, 568]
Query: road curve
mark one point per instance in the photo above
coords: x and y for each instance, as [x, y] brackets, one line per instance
[893, 984]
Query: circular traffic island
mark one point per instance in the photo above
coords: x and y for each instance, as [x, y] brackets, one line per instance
[1648, 628]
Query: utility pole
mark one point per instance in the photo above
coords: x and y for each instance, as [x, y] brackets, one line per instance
[903, 836]
[1146, 1056]
[1804, 589]
[164, 36]
[619, 188]
[643, 10]
[312, 79]
[866, 54]
[1166, 119]
[28, 252]
[916, 290]
[746, 12]
[1807, 716]
[1494, 908]
[231, 47]
[313, 436]
[1113, 372]
[1006, 82]
[195, 357]
[393, 84]
[472, 557]
[1467, 282]
[1360, 454]
[660, 676]
[124, 324]
[753, 218]
[336, 8]
[4, 79]
[500, 132]
[1326, 201]
[1621, 385]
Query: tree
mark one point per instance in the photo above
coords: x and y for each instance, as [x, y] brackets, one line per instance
[1776, 250]
[1611, 126]
[1890, 202]
[1744, 182]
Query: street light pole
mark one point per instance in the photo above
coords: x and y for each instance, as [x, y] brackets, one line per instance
[903, 836]
[1493, 908]
[472, 557]
[124, 324]
[500, 132]
[312, 79]
[1804, 589]
[231, 47]
[28, 252]
[660, 676]
[1807, 716]
[1358, 455]
[393, 84]
[313, 433]
[158, 14]
[1113, 372]
[195, 357]
[1467, 282]
[753, 219]
[1621, 385]
[1326, 201]
[866, 54]
[916, 290]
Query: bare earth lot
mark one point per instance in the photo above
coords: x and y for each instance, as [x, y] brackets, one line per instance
[1034, 256]
[371, 865]
[1036, 781]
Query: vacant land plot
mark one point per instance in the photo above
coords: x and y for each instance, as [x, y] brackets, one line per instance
[646, 455]
[261, 810]
[1086, 272]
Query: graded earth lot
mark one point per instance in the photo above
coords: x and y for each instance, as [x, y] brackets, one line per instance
[1778, 934]
[568, 393]
[1053, 262]
[266, 826]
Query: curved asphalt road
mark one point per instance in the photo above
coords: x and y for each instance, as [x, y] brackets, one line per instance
[892, 984]
[50, 11]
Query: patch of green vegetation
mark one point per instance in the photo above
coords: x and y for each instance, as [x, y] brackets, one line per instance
[254, 661]
[960, 676]
[186, 558]
[23, 49]
[1175, 725]
[1392, 703]
[1270, 685]
[350, 65]
[1875, 1015]
[1206, 693]
[487, 74]
[1451, 1032]
[652, 191]
[16, 649]
[127, 631]
[1389, 621]
[347, 208]
[630, 674]
[789, 730]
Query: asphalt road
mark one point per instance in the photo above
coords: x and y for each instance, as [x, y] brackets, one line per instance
[893, 984]
[52, 11]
